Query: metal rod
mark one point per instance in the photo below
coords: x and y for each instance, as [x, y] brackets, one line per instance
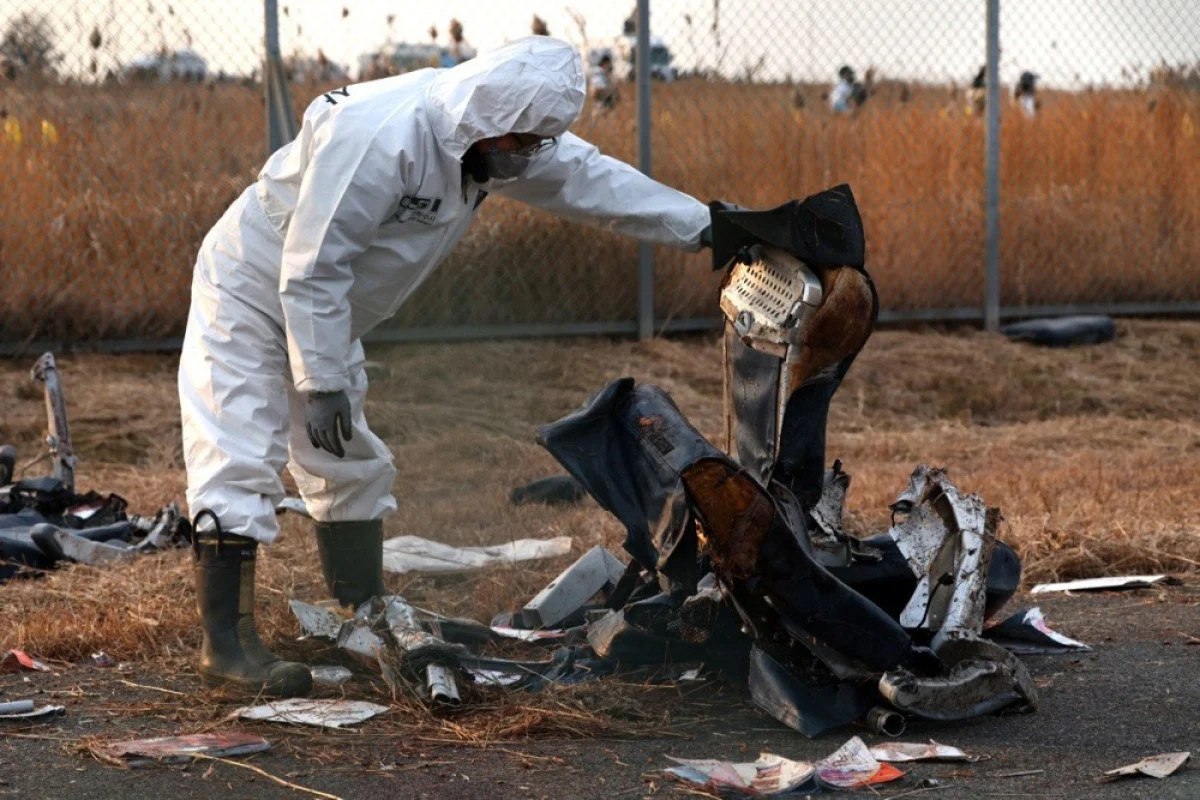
[991, 304]
[645, 318]
[281, 122]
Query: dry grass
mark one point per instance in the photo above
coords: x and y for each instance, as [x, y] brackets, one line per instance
[1102, 202]
[1093, 454]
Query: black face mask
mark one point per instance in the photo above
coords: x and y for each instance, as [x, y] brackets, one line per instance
[475, 165]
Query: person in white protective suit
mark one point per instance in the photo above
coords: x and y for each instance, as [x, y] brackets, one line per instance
[341, 226]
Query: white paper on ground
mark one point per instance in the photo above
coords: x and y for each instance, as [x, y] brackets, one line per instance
[770, 774]
[917, 751]
[1096, 584]
[322, 713]
[416, 554]
[850, 765]
[1159, 766]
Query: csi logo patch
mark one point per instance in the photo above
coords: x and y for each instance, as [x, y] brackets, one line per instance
[421, 209]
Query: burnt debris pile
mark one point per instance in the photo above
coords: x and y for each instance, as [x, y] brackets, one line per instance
[45, 521]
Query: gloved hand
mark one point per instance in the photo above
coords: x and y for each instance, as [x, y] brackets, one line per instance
[328, 413]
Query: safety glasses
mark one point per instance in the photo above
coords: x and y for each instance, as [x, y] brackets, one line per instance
[532, 144]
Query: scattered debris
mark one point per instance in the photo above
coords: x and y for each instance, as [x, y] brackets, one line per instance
[102, 660]
[769, 775]
[886, 721]
[24, 711]
[330, 675]
[553, 491]
[20, 661]
[44, 521]
[1020, 773]
[495, 677]
[1100, 584]
[386, 634]
[182, 749]
[595, 571]
[1026, 633]
[740, 565]
[1063, 331]
[320, 713]
[415, 554]
[317, 621]
[916, 751]
[853, 767]
[850, 767]
[1159, 766]
[16, 707]
[525, 635]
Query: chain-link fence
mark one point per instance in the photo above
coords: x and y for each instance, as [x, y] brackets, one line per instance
[129, 127]
[1099, 162]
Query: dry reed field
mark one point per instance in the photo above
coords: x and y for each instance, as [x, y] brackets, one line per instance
[1092, 454]
[98, 230]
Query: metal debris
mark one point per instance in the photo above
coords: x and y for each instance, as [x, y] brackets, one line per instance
[1026, 633]
[596, 570]
[44, 520]
[102, 660]
[917, 751]
[20, 661]
[330, 675]
[320, 713]
[24, 711]
[387, 634]
[1100, 584]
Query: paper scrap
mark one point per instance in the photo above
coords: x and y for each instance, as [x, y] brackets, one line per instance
[1099, 584]
[1159, 766]
[181, 749]
[852, 766]
[416, 554]
[769, 775]
[917, 751]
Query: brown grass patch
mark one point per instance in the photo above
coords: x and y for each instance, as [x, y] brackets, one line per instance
[101, 229]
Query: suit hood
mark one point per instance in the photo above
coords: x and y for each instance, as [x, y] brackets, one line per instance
[531, 85]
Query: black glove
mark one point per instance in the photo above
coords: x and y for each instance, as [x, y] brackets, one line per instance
[328, 413]
[716, 209]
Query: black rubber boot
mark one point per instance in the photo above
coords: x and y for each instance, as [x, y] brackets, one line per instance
[352, 559]
[232, 653]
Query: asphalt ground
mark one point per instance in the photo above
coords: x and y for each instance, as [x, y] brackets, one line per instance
[1136, 694]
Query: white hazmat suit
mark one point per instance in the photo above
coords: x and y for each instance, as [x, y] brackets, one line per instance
[340, 228]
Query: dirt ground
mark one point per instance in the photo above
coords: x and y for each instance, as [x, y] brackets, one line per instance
[1091, 453]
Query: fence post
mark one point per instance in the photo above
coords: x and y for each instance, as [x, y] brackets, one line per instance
[281, 121]
[645, 254]
[991, 304]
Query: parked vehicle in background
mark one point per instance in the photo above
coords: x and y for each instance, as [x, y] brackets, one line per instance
[167, 65]
[623, 52]
[396, 58]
